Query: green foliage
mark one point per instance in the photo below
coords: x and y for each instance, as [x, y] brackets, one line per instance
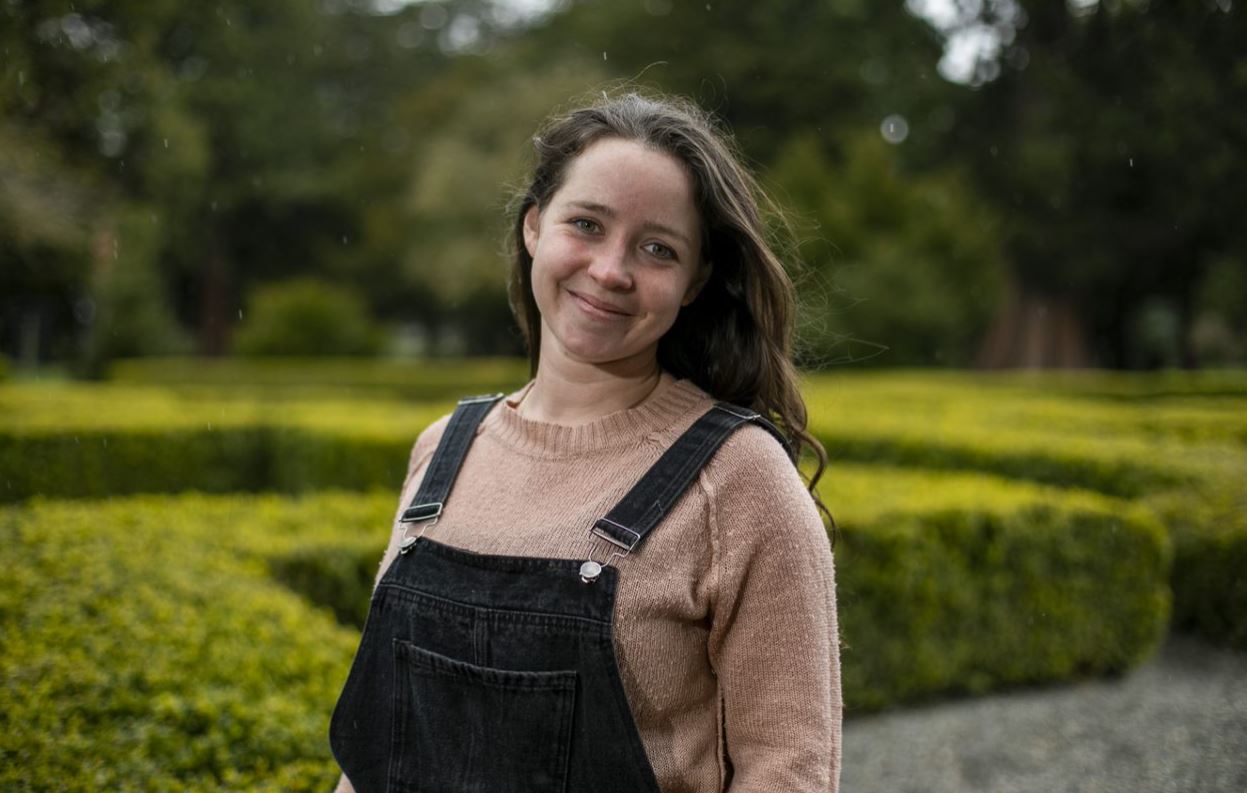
[909, 272]
[274, 377]
[144, 645]
[1209, 525]
[1219, 335]
[132, 314]
[340, 578]
[972, 599]
[1010, 425]
[1098, 206]
[306, 316]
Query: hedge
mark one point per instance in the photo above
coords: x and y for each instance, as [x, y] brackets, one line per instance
[145, 645]
[964, 583]
[1209, 528]
[155, 642]
[426, 379]
[966, 422]
[91, 441]
[244, 443]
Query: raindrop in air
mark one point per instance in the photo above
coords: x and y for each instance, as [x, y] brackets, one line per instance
[894, 128]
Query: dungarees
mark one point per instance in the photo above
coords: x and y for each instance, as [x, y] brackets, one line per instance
[482, 673]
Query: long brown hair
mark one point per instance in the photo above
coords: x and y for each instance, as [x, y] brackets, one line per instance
[735, 340]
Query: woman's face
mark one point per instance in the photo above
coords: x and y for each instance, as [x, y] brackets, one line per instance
[615, 255]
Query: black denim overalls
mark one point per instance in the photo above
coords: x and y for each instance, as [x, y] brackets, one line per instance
[483, 673]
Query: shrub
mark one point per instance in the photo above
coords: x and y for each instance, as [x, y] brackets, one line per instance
[1209, 526]
[306, 316]
[964, 584]
[144, 645]
[424, 379]
[97, 440]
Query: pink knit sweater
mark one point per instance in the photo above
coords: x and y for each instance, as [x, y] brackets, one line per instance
[725, 619]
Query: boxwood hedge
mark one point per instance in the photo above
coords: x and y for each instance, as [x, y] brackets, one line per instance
[158, 642]
[428, 379]
[144, 643]
[966, 583]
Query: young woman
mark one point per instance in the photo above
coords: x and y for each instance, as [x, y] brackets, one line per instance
[614, 579]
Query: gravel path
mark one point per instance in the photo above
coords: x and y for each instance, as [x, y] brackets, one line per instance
[1178, 723]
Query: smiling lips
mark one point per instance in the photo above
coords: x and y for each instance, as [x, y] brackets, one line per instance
[597, 307]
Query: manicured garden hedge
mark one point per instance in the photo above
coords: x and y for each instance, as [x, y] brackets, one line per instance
[965, 583]
[973, 422]
[145, 645]
[158, 642]
[416, 380]
[75, 441]
[1175, 453]
[1209, 527]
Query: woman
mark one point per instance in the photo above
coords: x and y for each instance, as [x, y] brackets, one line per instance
[614, 579]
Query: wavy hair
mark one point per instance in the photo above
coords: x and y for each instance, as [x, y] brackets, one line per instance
[735, 340]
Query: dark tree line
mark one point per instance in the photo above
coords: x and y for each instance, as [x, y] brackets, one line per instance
[1075, 203]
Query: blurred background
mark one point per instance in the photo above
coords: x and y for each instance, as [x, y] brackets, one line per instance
[975, 183]
[250, 250]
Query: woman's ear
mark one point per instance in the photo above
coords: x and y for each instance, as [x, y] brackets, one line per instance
[699, 280]
[532, 227]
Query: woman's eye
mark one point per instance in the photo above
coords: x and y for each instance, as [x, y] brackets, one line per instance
[584, 224]
[660, 250]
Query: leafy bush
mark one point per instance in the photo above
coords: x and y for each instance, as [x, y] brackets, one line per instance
[144, 645]
[306, 316]
[964, 584]
[97, 440]
[1209, 526]
[150, 642]
[132, 311]
[431, 379]
[958, 421]
[339, 578]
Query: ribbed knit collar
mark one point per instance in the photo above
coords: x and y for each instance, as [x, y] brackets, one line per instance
[670, 400]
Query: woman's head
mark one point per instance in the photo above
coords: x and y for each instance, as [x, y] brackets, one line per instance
[733, 337]
[738, 329]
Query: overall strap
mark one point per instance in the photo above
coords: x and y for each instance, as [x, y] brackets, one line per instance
[448, 457]
[641, 509]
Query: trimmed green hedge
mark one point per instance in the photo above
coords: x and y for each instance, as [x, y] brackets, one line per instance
[1209, 527]
[145, 645]
[158, 641]
[442, 379]
[75, 441]
[965, 583]
[1001, 425]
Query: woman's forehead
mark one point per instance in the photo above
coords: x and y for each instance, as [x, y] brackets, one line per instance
[617, 177]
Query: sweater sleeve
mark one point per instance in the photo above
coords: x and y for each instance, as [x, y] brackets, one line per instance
[774, 639]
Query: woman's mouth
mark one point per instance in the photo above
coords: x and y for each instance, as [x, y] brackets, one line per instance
[597, 308]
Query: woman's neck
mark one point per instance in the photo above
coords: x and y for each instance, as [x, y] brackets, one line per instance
[584, 395]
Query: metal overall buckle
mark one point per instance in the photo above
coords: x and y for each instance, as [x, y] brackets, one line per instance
[590, 569]
[416, 515]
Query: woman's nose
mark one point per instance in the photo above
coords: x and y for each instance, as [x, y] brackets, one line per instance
[610, 267]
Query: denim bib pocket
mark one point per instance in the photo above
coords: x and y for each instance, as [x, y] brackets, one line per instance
[485, 728]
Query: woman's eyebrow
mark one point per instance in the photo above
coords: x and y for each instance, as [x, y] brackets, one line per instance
[648, 225]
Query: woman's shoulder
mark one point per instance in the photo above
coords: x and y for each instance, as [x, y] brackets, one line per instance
[751, 453]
